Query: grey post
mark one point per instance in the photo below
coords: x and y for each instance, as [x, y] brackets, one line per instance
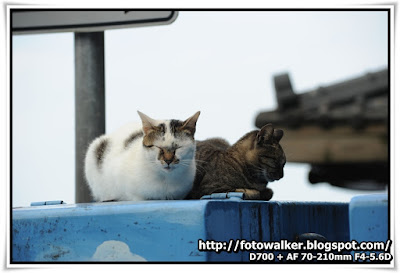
[89, 102]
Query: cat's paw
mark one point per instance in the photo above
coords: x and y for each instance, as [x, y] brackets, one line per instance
[266, 194]
[251, 194]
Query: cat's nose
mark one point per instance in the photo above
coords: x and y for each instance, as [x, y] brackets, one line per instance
[168, 161]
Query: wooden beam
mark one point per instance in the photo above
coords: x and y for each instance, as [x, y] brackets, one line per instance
[311, 144]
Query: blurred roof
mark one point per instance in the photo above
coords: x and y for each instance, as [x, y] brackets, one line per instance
[356, 102]
[340, 129]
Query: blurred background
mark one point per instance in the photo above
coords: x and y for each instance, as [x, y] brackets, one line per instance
[235, 67]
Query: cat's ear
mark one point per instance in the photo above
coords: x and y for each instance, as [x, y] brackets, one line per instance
[190, 123]
[148, 123]
[265, 133]
[278, 134]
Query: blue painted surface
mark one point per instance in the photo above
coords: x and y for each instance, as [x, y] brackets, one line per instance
[47, 203]
[368, 217]
[155, 231]
[165, 230]
[273, 221]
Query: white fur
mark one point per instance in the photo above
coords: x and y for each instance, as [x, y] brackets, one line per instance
[135, 173]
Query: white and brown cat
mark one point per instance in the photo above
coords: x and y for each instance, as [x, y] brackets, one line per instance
[152, 160]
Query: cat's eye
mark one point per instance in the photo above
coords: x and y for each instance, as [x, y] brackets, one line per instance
[161, 149]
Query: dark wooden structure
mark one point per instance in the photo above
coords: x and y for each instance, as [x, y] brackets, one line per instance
[340, 129]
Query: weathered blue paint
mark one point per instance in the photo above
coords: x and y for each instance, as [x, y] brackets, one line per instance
[156, 231]
[369, 218]
[165, 230]
[273, 221]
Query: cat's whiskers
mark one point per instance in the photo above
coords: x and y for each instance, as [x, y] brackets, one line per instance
[255, 166]
[188, 162]
[202, 161]
[153, 162]
[258, 169]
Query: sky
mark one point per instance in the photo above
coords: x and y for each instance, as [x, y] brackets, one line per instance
[221, 63]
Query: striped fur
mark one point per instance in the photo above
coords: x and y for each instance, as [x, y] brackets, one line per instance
[247, 166]
[100, 151]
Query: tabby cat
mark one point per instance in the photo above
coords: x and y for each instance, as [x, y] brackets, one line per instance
[247, 166]
[151, 160]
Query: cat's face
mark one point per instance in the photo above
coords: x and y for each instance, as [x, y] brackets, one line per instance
[169, 144]
[267, 154]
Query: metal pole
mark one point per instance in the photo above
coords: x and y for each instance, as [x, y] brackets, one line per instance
[89, 102]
